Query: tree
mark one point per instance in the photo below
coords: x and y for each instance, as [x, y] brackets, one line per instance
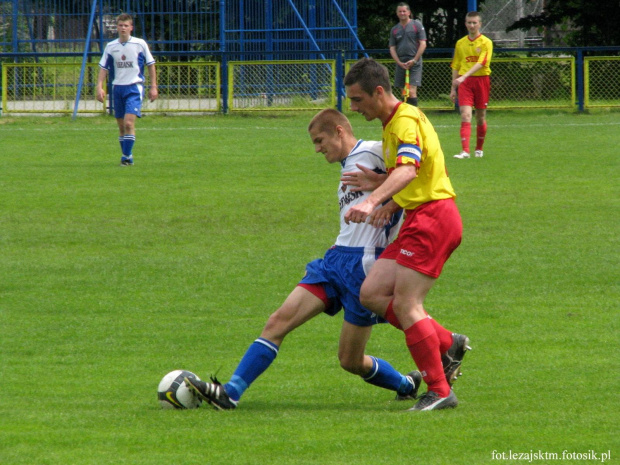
[580, 23]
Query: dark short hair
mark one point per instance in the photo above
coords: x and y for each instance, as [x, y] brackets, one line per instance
[369, 74]
[403, 4]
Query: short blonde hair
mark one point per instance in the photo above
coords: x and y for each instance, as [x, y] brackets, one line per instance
[124, 17]
[327, 120]
[473, 14]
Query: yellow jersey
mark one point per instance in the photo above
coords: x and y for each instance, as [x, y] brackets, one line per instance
[409, 137]
[469, 52]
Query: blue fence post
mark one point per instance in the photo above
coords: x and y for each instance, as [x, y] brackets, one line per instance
[101, 39]
[84, 58]
[224, 83]
[580, 77]
[339, 79]
[14, 37]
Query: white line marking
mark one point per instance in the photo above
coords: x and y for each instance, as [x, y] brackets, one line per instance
[11, 127]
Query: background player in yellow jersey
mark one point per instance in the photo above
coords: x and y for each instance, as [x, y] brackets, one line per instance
[470, 75]
[417, 181]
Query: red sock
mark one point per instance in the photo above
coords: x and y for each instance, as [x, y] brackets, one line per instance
[465, 135]
[390, 316]
[423, 343]
[445, 336]
[481, 132]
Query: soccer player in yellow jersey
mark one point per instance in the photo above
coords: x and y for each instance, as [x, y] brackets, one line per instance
[417, 181]
[470, 75]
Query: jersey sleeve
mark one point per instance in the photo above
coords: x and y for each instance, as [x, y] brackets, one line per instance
[408, 150]
[485, 53]
[421, 30]
[409, 154]
[368, 154]
[148, 56]
[392, 41]
[456, 59]
[106, 61]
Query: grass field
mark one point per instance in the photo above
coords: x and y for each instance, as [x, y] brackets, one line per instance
[111, 277]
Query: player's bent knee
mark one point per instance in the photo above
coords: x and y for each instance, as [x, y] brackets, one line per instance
[276, 328]
[370, 298]
[352, 366]
[366, 294]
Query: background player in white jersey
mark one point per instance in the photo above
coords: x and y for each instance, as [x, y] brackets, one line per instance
[330, 283]
[124, 58]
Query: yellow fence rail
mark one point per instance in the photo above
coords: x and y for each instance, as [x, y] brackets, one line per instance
[515, 83]
[48, 88]
[196, 86]
[601, 83]
[52, 87]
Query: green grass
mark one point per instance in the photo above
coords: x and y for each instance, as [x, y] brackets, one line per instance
[111, 277]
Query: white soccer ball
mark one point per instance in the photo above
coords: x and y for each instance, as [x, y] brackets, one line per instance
[172, 392]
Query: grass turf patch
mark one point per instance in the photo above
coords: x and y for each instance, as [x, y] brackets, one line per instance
[110, 277]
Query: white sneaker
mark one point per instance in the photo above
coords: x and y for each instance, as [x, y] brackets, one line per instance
[462, 155]
[479, 154]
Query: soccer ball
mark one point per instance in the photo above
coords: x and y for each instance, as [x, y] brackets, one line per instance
[172, 392]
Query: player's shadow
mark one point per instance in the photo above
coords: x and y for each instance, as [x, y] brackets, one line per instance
[294, 405]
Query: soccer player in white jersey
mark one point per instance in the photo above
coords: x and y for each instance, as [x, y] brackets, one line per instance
[330, 283]
[124, 59]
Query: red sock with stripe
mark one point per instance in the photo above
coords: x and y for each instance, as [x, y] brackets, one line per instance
[481, 132]
[465, 135]
[445, 336]
[423, 344]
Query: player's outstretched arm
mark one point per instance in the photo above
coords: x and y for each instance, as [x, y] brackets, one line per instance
[364, 180]
[396, 181]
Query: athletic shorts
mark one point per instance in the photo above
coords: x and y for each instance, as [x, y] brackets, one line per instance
[341, 273]
[128, 99]
[415, 75]
[427, 238]
[474, 92]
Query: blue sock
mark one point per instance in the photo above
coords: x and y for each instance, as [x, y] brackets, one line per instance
[254, 362]
[121, 140]
[384, 375]
[128, 142]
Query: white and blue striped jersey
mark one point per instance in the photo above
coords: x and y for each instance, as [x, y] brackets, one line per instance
[125, 61]
[368, 154]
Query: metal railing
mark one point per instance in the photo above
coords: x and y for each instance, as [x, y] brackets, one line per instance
[208, 82]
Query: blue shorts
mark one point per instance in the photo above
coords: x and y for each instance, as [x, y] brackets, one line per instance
[128, 99]
[341, 272]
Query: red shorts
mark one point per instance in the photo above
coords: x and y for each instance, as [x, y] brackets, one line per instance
[427, 238]
[474, 92]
